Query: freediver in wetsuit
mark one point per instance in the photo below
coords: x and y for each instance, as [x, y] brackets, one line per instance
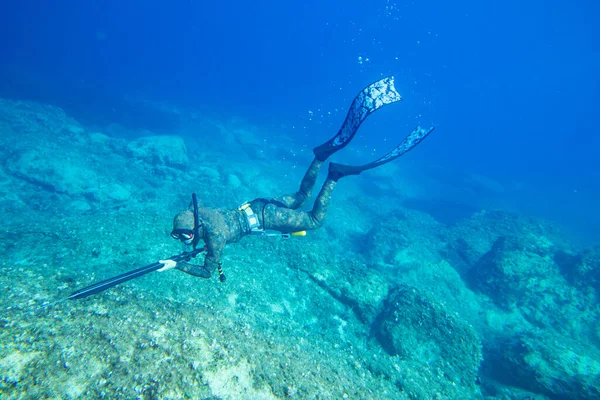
[218, 227]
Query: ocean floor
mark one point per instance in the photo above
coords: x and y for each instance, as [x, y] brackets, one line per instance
[385, 301]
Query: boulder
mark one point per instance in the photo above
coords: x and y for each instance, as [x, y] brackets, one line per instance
[164, 150]
[522, 278]
[415, 327]
[582, 270]
[62, 174]
[514, 271]
[536, 361]
[473, 237]
[406, 238]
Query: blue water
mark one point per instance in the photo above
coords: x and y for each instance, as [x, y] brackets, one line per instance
[511, 87]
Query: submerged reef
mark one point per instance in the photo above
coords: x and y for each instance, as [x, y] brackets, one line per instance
[416, 327]
[384, 301]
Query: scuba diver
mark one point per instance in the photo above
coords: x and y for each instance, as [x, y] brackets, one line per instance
[218, 227]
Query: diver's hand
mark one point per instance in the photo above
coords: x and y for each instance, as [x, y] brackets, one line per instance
[168, 264]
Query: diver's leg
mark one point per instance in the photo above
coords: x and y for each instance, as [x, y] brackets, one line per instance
[297, 199]
[287, 220]
[371, 98]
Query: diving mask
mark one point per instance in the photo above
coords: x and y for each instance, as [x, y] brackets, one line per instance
[185, 235]
[182, 223]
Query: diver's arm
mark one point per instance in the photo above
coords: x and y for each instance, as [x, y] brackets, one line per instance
[201, 271]
[212, 260]
[194, 270]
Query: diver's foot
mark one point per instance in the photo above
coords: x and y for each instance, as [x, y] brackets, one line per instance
[371, 98]
[337, 171]
[323, 151]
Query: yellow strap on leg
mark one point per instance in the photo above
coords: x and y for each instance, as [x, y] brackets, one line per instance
[221, 274]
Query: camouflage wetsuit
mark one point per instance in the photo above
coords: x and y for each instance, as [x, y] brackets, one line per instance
[219, 227]
[222, 226]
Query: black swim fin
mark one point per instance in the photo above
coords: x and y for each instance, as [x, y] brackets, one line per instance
[370, 99]
[337, 171]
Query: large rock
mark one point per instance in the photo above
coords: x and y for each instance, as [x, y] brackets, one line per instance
[31, 120]
[61, 174]
[70, 174]
[406, 237]
[522, 278]
[581, 270]
[560, 369]
[357, 286]
[415, 327]
[514, 271]
[473, 237]
[160, 150]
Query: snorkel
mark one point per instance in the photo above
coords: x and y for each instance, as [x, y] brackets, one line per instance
[196, 221]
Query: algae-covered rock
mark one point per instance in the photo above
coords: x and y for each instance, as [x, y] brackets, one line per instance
[35, 120]
[472, 238]
[13, 367]
[513, 271]
[70, 174]
[52, 172]
[406, 237]
[584, 269]
[160, 150]
[561, 369]
[525, 281]
[111, 193]
[360, 288]
[357, 286]
[414, 326]
[234, 181]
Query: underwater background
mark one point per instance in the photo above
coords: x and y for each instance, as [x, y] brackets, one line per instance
[468, 268]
